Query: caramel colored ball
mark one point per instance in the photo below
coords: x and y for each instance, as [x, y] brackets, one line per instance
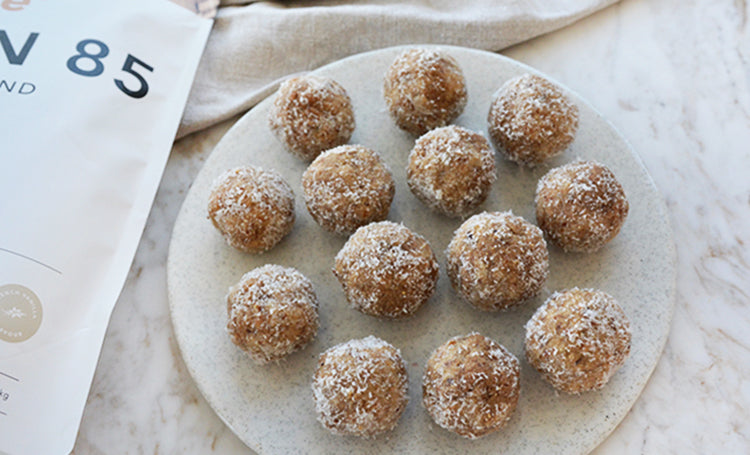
[531, 120]
[348, 187]
[386, 270]
[360, 387]
[424, 89]
[311, 114]
[497, 260]
[451, 170]
[252, 208]
[578, 339]
[273, 311]
[580, 206]
[471, 385]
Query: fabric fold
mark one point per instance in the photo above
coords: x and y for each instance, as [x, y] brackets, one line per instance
[254, 45]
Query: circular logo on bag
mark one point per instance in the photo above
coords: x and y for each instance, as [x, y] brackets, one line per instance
[20, 313]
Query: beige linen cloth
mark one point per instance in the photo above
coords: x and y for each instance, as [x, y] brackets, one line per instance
[255, 44]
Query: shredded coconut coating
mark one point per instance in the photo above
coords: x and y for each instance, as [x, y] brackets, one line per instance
[580, 206]
[451, 170]
[386, 270]
[530, 120]
[347, 187]
[272, 312]
[252, 208]
[471, 385]
[360, 387]
[424, 89]
[578, 339]
[311, 114]
[497, 260]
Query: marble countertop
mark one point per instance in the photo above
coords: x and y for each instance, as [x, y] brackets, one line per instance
[674, 77]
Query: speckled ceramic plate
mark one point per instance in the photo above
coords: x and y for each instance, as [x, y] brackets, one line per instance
[270, 407]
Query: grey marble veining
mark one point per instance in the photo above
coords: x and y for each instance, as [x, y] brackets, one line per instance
[674, 78]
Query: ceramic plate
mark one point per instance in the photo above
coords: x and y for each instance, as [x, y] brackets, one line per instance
[271, 408]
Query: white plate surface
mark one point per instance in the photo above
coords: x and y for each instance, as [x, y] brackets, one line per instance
[270, 407]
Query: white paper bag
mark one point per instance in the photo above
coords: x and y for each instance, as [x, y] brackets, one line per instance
[91, 94]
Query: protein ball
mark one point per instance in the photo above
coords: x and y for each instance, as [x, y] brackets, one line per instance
[273, 311]
[531, 120]
[359, 387]
[580, 206]
[347, 187]
[578, 339]
[497, 260]
[252, 208]
[451, 169]
[424, 89]
[471, 385]
[311, 114]
[386, 270]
